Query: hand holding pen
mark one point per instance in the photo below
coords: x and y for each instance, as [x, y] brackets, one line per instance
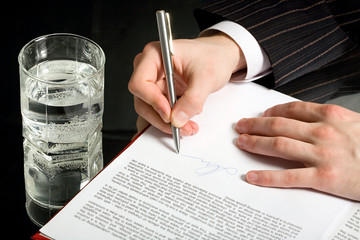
[200, 66]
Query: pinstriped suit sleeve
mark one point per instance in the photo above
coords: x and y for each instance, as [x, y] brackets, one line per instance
[299, 36]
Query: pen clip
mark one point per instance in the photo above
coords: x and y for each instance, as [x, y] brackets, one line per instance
[168, 26]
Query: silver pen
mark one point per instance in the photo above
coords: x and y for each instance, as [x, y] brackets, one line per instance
[163, 23]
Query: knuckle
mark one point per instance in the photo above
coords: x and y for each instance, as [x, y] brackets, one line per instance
[265, 178]
[279, 145]
[294, 106]
[329, 174]
[323, 132]
[248, 124]
[276, 123]
[251, 143]
[327, 177]
[331, 111]
[137, 59]
[131, 86]
[150, 46]
[290, 179]
[134, 87]
[196, 103]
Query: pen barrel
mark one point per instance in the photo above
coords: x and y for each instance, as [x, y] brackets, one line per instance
[171, 89]
[164, 42]
[166, 52]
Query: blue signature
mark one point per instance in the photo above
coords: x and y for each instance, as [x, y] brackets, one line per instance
[209, 167]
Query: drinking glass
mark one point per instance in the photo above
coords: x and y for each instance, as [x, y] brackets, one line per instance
[62, 104]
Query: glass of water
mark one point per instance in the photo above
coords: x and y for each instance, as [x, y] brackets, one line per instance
[62, 104]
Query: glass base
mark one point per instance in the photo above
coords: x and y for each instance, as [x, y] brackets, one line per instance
[38, 213]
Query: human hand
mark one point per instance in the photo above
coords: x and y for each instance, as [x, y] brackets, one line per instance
[325, 138]
[201, 66]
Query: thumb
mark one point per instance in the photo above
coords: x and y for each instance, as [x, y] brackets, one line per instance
[201, 82]
[187, 106]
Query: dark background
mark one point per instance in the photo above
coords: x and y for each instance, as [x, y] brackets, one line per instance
[121, 28]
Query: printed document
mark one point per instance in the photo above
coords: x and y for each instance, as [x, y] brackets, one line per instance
[151, 192]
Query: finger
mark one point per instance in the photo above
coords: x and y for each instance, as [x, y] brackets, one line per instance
[192, 101]
[141, 124]
[275, 126]
[185, 108]
[302, 111]
[149, 115]
[289, 178]
[145, 82]
[154, 98]
[282, 147]
[311, 112]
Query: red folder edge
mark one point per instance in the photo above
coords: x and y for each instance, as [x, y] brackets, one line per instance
[39, 235]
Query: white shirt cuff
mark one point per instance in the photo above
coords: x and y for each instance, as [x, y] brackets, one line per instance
[257, 61]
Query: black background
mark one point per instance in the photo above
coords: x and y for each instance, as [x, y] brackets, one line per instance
[121, 28]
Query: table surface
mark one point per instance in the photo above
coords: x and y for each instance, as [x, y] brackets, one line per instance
[12, 179]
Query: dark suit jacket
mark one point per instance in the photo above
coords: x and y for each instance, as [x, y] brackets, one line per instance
[312, 45]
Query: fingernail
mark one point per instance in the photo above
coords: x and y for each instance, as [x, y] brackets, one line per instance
[180, 118]
[252, 177]
[240, 142]
[194, 128]
[164, 117]
[184, 133]
[240, 125]
[266, 113]
[187, 130]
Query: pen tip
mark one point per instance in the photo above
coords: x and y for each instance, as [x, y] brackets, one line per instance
[177, 149]
[176, 136]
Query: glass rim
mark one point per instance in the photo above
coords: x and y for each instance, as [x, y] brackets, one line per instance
[22, 68]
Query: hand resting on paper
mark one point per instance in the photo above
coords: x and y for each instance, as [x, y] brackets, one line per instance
[325, 138]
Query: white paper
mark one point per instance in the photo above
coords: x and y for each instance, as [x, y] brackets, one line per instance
[150, 192]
